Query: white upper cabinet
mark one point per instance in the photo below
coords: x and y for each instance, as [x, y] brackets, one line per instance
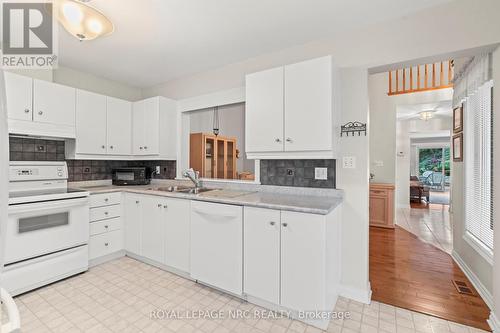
[146, 122]
[19, 91]
[90, 123]
[119, 126]
[308, 101]
[264, 111]
[53, 103]
[290, 111]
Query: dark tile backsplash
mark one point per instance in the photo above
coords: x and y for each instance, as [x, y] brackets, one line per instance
[298, 173]
[28, 149]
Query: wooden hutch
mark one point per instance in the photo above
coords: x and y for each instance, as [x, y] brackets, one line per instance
[213, 156]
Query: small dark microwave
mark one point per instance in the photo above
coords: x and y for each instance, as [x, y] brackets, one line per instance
[132, 176]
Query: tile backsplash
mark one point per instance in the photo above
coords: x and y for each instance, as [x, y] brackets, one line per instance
[296, 173]
[30, 149]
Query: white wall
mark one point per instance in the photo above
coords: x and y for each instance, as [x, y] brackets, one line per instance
[355, 240]
[383, 110]
[454, 26]
[231, 123]
[496, 191]
[85, 81]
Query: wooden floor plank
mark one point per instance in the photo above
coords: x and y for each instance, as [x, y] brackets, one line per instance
[409, 273]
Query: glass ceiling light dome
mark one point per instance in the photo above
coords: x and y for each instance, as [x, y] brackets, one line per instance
[81, 20]
[426, 115]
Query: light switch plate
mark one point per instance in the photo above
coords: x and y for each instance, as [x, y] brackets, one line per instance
[349, 162]
[321, 173]
[158, 170]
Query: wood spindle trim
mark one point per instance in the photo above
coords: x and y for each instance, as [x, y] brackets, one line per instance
[411, 78]
[441, 75]
[433, 75]
[426, 83]
[397, 80]
[390, 82]
[404, 79]
[418, 77]
[450, 78]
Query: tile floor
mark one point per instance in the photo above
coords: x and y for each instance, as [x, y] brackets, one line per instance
[432, 225]
[119, 296]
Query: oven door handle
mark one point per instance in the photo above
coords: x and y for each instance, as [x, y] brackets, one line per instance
[48, 205]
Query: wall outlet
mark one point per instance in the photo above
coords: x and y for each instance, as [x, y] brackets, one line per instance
[321, 173]
[158, 170]
[290, 172]
[349, 162]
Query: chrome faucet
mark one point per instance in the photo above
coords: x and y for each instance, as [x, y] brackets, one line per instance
[194, 176]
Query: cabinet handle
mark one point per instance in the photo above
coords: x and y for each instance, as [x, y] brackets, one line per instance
[159, 205]
[284, 225]
[278, 140]
[106, 213]
[165, 206]
[272, 223]
[289, 140]
[26, 110]
[140, 148]
[145, 147]
[103, 147]
[111, 147]
[106, 226]
[106, 199]
[40, 112]
[106, 244]
[137, 201]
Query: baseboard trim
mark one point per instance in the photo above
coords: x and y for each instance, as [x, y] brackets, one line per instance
[357, 294]
[494, 323]
[481, 289]
[106, 258]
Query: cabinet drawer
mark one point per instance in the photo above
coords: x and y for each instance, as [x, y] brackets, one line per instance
[107, 243]
[107, 212]
[103, 226]
[378, 193]
[105, 199]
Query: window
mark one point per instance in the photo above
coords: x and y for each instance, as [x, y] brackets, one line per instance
[477, 166]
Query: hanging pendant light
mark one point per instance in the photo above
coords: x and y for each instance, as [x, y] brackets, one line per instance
[216, 121]
[81, 20]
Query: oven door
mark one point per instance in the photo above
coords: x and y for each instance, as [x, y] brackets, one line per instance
[36, 229]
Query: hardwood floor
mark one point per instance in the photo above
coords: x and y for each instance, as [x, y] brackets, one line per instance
[409, 273]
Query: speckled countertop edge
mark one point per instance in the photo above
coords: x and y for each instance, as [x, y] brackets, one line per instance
[271, 198]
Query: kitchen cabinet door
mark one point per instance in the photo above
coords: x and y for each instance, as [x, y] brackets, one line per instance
[177, 233]
[152, 126]
[133, 223]
[119, 126]
[53, 103]
[138, 128]
[153, 228]
[262, 253]
[302, 261]
[90, 123]
[19, 92]
[308, 105]
[264, 111]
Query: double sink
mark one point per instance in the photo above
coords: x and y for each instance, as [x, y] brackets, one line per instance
[182, 189]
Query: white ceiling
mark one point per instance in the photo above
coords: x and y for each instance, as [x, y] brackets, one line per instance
[158, 40]
[442, 109]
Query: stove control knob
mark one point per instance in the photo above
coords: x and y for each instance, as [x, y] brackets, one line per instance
[60, 174]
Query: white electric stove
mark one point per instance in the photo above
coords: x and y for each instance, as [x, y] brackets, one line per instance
[47, 232]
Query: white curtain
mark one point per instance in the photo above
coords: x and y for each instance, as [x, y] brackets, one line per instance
[474, 74]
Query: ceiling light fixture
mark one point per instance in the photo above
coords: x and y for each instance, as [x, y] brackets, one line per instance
[81, 20]
[426, 115]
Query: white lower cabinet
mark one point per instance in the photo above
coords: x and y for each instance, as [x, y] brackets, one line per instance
[262, 253]
[158, 229]
[292, 259]
[106, 229]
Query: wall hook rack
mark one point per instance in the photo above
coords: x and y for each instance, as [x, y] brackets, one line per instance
[353, 127]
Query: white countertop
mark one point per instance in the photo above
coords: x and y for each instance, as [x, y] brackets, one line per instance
[300, 202]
